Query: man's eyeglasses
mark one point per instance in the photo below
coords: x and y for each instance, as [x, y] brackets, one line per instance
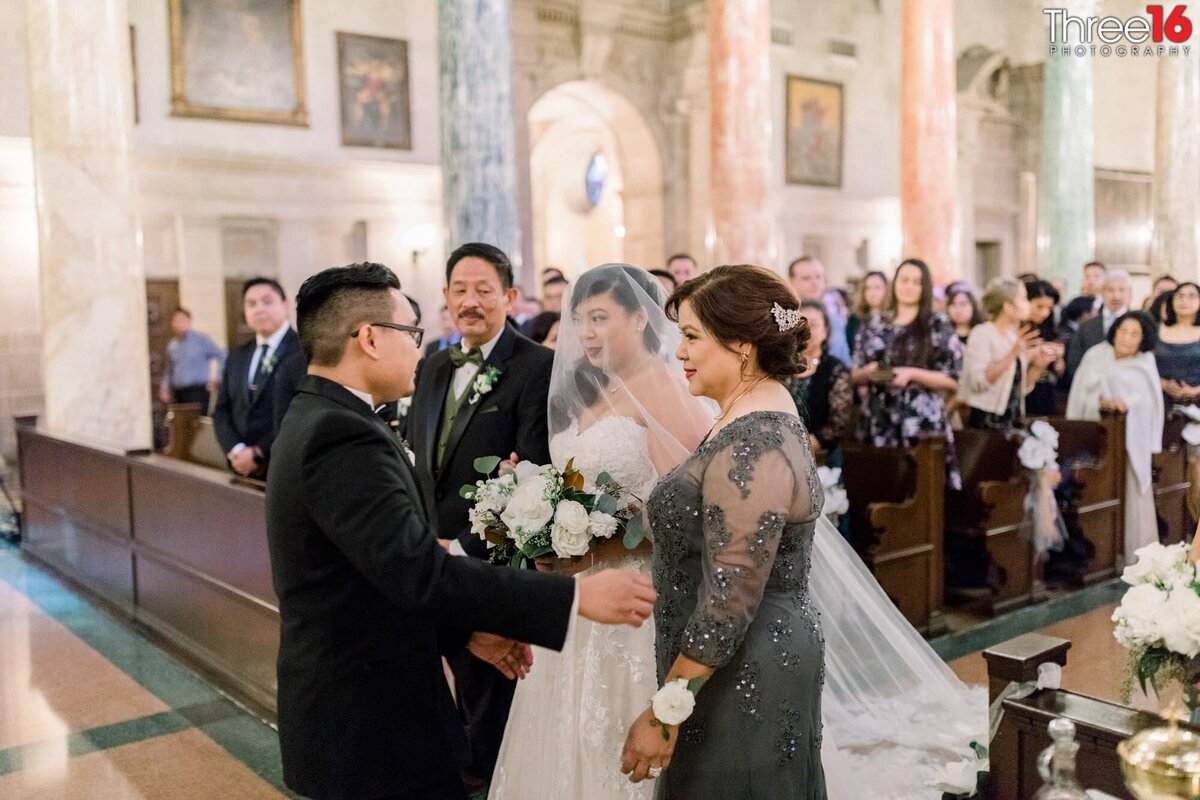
[416, 333]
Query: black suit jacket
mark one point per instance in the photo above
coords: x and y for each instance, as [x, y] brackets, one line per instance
[255, 422]
[368, 601]
[510, 418]
[1090, 334]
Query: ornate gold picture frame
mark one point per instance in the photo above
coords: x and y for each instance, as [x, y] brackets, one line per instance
[239, 60]
[814, 123]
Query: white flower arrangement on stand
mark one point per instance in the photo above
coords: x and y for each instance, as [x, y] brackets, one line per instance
[836, 501]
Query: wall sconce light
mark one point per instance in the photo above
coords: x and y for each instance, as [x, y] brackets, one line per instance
[418, 239]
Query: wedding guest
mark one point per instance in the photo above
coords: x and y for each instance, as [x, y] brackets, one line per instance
[837, 308]
[682, 267]
[552, 272]
[807, 276]
[544, 329]
[1115, 298]
[666, 279]
[1178, 359]
[1002, 360]
[1074, 314]
[963, 311]
[485, 396]
[193, 360]
[1119, 374]
[870, 295]
[910, 360]
[1163, 284]
[823, 393]
[552, 294]
[1094, 274]
[449, 334]
[1043, 299]
[259, 380]
[1158, 308]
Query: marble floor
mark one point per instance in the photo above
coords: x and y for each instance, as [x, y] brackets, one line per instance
[91, 709]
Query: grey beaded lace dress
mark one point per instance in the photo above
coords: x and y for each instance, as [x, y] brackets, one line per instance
[733, 532]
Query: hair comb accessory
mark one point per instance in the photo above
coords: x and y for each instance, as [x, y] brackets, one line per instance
[785, 318]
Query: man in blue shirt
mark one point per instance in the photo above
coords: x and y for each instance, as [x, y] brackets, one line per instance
[188, 376]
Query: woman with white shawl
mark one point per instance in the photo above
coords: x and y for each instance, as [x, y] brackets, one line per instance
[1121, 375]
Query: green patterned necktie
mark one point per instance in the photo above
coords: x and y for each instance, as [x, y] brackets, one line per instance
[472, 356]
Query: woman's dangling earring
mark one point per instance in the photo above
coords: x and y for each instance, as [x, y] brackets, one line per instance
[742, 368]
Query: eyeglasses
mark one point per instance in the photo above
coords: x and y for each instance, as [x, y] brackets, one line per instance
[416, 333]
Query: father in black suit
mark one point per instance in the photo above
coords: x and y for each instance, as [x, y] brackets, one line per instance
[484, 396]
[1116, 294]
[368, 600]
[259, 380]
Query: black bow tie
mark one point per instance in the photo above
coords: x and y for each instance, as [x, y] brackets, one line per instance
[472, 356]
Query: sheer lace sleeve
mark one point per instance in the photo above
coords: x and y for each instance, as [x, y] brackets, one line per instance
[756, 482]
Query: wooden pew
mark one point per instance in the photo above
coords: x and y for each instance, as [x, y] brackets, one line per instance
[896, 521]
[1098, 451]
[193, 438]
[1021, 736]
[1172, 482]
[988, 538]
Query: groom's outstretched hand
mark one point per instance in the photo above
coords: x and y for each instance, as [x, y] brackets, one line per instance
[616, 597]
[512, 658]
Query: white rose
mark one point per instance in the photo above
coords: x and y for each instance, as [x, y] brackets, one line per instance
[961, 777]
[1179, 622]
[528, 510]
[572, 516]
[673, 703]
[601, 525]
[568, 543]
[829, 477]
[1157, 563]
[1138, 616]
[836, 501]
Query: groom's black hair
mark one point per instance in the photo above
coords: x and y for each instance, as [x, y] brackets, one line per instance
[335, 301]
[487, 252]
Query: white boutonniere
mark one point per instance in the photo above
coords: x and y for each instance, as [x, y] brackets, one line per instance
[483, 383]
[269, 363]
[408, 451]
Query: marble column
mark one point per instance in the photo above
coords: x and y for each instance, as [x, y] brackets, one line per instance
[928, 138]
[479, 175]
[1067, 182]
[1177, 167]
[93, 294]
[743, 212]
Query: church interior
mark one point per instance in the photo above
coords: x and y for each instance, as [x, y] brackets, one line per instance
[160, 156]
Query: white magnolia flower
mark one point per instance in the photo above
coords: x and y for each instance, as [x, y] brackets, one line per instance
[528, 510]
[601, 525]
[1138, 616]
[1179, 622]
[673, 703]
[960, 777]
[1156, 562]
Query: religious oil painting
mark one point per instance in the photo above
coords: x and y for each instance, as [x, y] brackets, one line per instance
[373, 75]
[813, 132]
[237, 60]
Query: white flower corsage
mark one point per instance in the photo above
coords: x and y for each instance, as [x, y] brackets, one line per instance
[674, 703]
[268, 364]
[483, 383]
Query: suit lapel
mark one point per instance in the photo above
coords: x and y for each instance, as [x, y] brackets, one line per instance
[498, 359]
[281, 352]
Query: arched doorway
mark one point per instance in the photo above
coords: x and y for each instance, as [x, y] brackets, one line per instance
[596, 180]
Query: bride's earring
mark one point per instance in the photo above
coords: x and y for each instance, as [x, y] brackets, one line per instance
[742, 368]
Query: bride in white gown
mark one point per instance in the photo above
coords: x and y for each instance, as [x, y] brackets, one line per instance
[611, 385]
[619, 404]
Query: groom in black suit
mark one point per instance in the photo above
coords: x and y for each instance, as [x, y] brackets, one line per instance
[485, 396]
[368, 600]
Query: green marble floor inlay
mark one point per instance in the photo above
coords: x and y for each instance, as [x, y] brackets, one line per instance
[193, 701]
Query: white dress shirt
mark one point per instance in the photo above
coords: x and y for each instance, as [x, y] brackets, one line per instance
[1112, 316]
[466, 373]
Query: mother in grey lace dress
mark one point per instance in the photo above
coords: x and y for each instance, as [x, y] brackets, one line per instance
[737, 634]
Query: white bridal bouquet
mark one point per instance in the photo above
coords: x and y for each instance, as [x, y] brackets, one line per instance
[1158, 620]
[537, 510]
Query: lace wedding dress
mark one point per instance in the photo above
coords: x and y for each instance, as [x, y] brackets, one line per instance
[570, 716]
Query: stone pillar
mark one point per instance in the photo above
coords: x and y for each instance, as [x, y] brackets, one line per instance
[743, 212]
[1067, 182]
[478, 139]
[93, 293]
[1177, 167]
[928, 138]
